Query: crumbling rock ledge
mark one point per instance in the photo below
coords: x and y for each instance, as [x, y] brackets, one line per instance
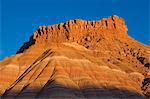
[77, 30]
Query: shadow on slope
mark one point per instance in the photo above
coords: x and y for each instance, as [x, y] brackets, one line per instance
[53, 90]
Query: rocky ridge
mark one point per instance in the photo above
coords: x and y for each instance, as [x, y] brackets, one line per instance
[78, 59]
[78, 31]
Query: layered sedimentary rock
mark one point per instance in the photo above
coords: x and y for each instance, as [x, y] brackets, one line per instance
[78, 59]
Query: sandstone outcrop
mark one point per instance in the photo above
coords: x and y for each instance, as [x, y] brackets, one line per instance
[78, 59]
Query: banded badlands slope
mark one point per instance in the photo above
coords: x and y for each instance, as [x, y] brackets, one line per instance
[78, 59]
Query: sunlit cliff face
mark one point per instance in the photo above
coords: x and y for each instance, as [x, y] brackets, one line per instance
[78, 59]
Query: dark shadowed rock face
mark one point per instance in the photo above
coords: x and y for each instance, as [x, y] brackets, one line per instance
[78, 59]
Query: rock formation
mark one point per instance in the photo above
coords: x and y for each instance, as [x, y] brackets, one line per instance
[78, 59]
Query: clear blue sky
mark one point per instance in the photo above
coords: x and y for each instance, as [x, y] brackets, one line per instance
[20, 18]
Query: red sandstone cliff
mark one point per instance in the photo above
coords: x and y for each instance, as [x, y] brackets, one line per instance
[78, 59]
